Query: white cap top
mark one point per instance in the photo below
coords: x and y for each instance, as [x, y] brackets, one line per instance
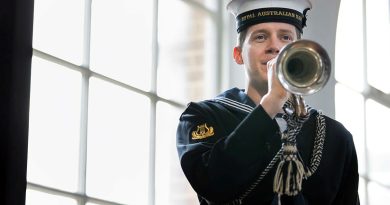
[237, 7]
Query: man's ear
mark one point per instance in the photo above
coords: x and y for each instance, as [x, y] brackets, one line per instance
[237, 55]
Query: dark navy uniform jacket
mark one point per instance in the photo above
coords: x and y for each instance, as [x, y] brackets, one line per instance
[225, 143]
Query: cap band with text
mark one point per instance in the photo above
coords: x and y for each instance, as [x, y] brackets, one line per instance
[264, 15]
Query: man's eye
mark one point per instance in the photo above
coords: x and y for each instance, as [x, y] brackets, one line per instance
[287, 38]
[260, 37]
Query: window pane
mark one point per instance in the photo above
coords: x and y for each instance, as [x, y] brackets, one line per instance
[207, 4]
[118, 144]
[186, 58]
[171, 185]
[350, 61]
[378, 195]
[121, 40]
[378, 44]
[378, 141]
[362, 191]
[36, 197]
[343, 99]
[59, 27]
[53, 150]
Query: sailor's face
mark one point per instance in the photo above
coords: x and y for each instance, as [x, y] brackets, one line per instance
[263, 42]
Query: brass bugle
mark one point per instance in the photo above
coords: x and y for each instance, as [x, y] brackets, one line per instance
[303, 67]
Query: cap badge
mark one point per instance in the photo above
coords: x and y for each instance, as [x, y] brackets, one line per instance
[202, 131]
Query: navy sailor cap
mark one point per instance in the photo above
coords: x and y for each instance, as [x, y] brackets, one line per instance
[250, 12]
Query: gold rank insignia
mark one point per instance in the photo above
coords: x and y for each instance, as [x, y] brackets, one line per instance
[203, 131]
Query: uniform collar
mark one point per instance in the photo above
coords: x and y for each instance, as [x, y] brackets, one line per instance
[237, 99]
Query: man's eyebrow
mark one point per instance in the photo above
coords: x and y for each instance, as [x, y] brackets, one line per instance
[266, 31]
[285, 31]
[259, 31]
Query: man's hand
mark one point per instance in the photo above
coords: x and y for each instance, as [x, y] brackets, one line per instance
[277, 95]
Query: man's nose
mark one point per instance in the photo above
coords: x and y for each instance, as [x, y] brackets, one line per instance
[274, 46]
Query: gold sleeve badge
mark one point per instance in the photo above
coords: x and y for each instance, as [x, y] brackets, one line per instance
[202, 131]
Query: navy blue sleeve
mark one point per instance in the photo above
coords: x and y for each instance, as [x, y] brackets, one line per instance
[348, 190]
[221, 155]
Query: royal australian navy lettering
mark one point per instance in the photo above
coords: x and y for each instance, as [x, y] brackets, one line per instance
[248, 16]
[269, 13]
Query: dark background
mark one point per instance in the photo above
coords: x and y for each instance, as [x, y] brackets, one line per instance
[16, 21]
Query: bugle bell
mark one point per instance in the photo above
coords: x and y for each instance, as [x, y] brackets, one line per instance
[303, 67]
